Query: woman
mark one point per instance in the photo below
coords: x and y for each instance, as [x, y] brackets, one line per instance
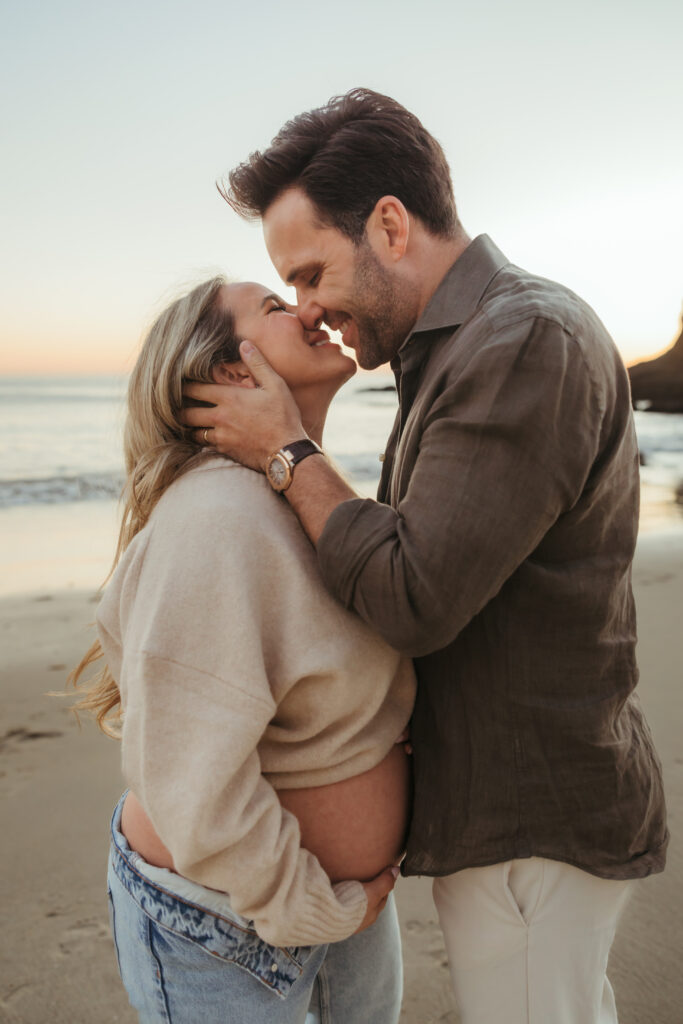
[259, 718]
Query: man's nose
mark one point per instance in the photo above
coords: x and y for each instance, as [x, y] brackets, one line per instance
[310, 313]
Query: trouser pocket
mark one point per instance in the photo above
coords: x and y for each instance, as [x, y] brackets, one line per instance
[523, 883]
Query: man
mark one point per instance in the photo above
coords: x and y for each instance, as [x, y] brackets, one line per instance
[498, 554]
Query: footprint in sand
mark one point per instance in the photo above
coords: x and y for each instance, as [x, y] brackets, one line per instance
[13, 993]
[648, 580]
[426, 943]
[79, 936]
[19, 773]
[21, 735]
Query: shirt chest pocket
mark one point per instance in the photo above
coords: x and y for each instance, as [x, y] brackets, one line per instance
[405, 456]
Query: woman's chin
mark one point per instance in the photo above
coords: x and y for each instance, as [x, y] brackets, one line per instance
[352, 368]
[335, 376]
[346, 373]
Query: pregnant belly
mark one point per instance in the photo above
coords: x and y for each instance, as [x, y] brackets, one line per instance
[355, 828]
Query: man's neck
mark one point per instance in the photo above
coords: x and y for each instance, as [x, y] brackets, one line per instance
[435, 257]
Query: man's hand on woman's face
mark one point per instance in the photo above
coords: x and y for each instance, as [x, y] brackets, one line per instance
[248, 424]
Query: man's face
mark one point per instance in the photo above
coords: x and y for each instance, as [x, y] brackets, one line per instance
[345, 285]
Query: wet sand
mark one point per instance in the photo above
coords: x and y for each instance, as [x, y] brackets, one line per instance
[58, 784]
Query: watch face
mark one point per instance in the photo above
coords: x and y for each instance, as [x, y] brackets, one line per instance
[278, 472]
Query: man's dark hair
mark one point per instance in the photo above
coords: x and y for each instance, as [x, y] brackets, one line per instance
[344, 157]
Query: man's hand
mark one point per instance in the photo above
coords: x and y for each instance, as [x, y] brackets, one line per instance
[377, 892]
[248, 424]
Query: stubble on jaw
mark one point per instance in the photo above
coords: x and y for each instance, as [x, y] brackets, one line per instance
[384, 309]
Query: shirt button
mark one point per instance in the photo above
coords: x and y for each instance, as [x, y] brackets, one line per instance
[273, 967]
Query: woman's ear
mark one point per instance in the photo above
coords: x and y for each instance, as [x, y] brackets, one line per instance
[232, 373]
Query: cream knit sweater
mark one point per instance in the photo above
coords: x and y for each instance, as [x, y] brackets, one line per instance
[239, 674]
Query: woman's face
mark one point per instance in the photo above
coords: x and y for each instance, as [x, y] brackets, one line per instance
[301, 357]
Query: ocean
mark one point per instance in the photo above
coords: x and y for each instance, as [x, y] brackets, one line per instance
[61, 439]
[61, 469]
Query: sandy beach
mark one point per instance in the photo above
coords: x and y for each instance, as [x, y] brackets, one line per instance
[58, 784]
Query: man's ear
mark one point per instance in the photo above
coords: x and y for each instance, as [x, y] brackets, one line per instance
[388, 228]
[233, 373]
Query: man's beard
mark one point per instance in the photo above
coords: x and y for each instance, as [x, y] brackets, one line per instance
[384, 314]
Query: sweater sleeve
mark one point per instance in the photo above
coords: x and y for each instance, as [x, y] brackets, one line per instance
[197, 702]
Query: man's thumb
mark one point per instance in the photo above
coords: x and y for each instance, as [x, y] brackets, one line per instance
[257, 364]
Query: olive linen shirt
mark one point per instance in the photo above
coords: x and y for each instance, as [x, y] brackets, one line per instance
[499, 557]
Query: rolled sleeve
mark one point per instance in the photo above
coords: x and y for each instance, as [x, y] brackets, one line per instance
[505, 447]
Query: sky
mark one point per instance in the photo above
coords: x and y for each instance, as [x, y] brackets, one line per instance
[561, 124]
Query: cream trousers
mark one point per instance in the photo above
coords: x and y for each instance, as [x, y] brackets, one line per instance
[528, 942]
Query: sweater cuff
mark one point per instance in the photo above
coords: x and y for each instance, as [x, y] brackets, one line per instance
[324, 920]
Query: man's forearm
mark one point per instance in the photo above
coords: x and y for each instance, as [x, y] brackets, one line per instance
[315, 492]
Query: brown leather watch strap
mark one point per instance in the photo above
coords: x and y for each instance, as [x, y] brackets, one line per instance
[299, 450]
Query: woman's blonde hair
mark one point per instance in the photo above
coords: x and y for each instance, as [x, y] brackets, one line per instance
[190, 337]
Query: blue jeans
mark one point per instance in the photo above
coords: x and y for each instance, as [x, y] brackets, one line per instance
[185, 957]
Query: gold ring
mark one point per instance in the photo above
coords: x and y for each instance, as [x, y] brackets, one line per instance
[206, 431]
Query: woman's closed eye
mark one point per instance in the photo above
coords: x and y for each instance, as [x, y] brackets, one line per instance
[277, 306]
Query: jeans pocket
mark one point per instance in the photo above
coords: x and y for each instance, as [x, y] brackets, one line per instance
[299, 954]
[219, 938]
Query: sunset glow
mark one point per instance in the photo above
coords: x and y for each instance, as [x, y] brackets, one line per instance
[561, 125]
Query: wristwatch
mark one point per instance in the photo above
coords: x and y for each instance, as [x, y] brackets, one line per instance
[280, 465]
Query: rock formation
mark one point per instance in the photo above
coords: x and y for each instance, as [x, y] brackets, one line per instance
[660, 381]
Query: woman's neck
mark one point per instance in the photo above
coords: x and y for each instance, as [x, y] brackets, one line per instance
[314, 423]
[313, 406]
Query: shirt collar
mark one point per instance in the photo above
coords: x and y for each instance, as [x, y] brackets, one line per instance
[455, 299]
[461, 289]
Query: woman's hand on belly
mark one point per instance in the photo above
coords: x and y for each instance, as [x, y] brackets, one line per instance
[377, 892]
